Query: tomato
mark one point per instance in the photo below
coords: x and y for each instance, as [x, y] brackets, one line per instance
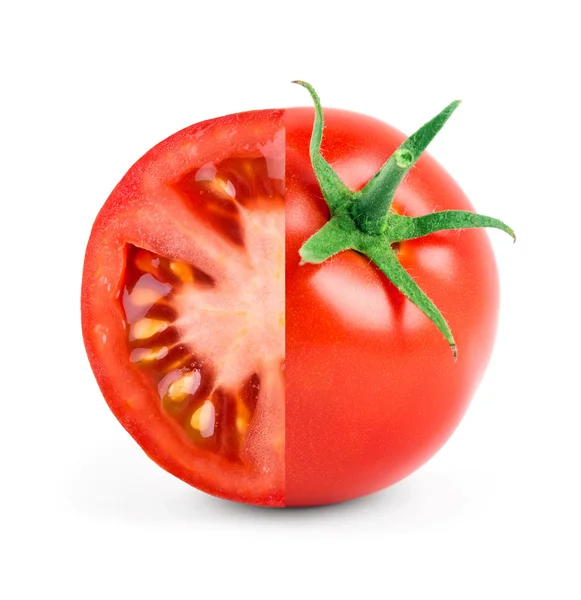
[259, 379]
[372, 391]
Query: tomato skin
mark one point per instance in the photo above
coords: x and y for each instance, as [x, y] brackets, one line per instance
[372, 391]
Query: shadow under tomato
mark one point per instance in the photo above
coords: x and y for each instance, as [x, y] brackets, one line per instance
[378, 501]
[122, 486]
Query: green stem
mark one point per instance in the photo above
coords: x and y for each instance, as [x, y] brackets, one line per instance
[331, 239]
[363, 222]
[335, 191]
[386, 260]
[402, 228]
[377, 195]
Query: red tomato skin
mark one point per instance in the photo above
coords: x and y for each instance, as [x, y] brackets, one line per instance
[372, 391]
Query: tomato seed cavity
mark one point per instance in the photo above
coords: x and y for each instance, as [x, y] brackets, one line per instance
[211, 393]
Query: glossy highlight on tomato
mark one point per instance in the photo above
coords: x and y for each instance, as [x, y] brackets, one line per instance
[259, 379]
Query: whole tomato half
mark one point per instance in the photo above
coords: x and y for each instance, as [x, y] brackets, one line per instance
[254, 376]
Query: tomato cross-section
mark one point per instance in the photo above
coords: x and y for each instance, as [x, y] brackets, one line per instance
[254, 377]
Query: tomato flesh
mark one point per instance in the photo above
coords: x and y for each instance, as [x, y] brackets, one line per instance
[209, 377]
[184, 304]
[258, 379]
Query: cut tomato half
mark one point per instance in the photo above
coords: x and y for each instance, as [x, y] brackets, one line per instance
[184, 305]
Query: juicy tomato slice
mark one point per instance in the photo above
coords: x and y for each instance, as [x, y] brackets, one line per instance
[184, 305]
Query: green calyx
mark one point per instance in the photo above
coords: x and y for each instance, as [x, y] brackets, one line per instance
[362, 220]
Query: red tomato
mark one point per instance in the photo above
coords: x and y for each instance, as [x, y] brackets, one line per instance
[371, 389]
[315, 387]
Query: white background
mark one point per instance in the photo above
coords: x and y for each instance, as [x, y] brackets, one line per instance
[87, 88]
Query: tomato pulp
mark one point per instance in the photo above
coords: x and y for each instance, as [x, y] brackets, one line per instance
[249, 375]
